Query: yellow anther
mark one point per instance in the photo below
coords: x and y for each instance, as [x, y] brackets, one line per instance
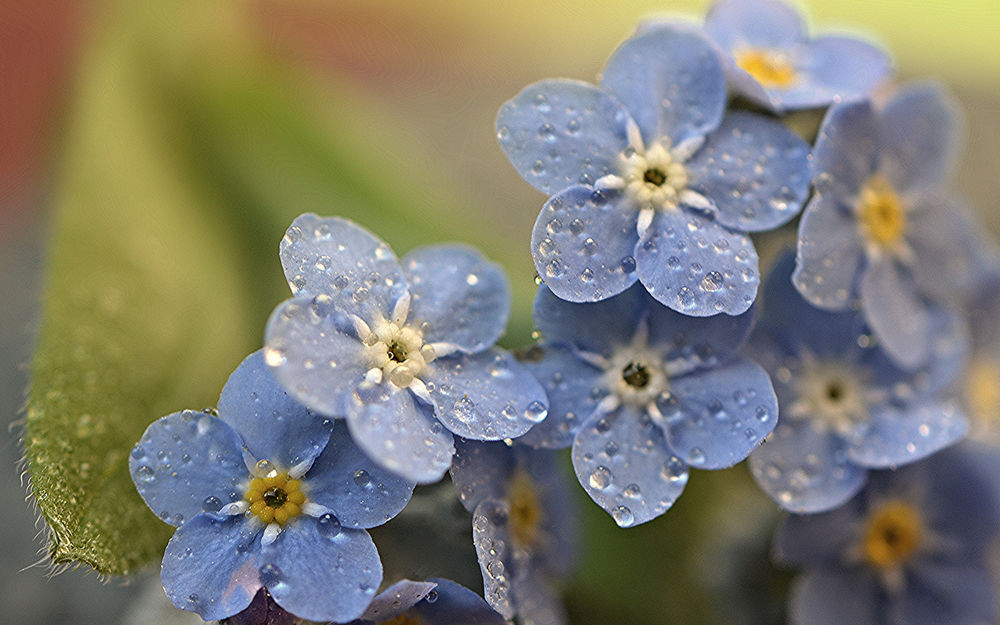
[768, 67]
[275, 498]
[525, 511]
[893, 533]
[880, 212]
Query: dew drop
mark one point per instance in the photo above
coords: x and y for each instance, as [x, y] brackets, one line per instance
[362, 479]
[553, 268]
[265, 468]
[211, 504]
[138, 452]
[762, 413]
[628, 264]
[712, 281]
[535, 412]
[600, 478]
[538, 168]
[696, 456]
[431, 597]
[274, 356]
[328, 525]
[270, 575]
[632, 491]
[685, 297]
[623, 516]
[590, 246]
[587, 275]
[576, 226]
[145, 473]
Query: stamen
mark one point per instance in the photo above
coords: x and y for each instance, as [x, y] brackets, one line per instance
[771, 68]
[880, 213]
[893, 533]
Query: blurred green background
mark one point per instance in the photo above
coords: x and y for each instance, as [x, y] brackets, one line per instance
[152, 155]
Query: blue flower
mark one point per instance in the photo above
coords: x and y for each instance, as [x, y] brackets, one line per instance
[642, 393]
[910, 549]
[649, 181]
[846, 407]
[524, 526]
[770, 60]
[980, 382]
[434, 602]
[880, 228]
[265, 495]
[403, 350]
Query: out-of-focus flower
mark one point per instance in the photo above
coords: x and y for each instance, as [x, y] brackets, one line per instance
[845, 406]
[770, 60]
[265, 495]
[649, 181]
[642, 393]
[524, 526]
[910, 549]
[880, 227]
[979, 386]
[434, 602]
[403, 350]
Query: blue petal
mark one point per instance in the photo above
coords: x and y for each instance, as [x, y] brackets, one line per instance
[211, 566]
[558, 133]
[720, 415]
[583, 244]
[462, 297]
[485, 396]
[314, 353]
[359, 492]
[597, 327]
[940, 592]
[454, 604]
[805, 470]
[186, 462]
[400, 433]
[899, 435]
[491, 538]
[573, 387]
[320, 574]
[966, 478]
[273, 425]
[896, 313]
[623, 462]
[829, 253]
[812, 540]
[688, 343]
[920, 127]
[695, 266]
[480, 471]
[338, 258]
[671, 81]
[754, 170]
[847, 150]
[536, 599]
[396, 599]
[941, 233]
[558, 545]
[835, 597]
[734, 24]
[834, 68]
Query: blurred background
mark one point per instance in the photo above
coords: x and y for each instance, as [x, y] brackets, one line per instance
[195, 131]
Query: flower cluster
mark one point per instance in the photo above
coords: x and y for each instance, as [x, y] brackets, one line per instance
[655, 356]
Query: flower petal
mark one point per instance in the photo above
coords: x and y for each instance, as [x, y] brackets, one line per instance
[811, 540]
[396, 599]
[273, 426]
[400, 433]
[671, 81]
[896, 313]
[847, 150]
[921, 127]
[901, 434]
[755, 170]
[537, 599]
[485, 396]
[454, 604]
[557, 547]
[835, 597]
[695, 266]
[338, 258]
[462, 297]
[360, 493]
[687, 343]
[720, 415]
[734, 24]
[834, 68]
[952, 592]
[574, 389]
[623, 462]
[321, 574]
[187, 462]
[805, 470]
[491, 539]
[211, 566]
[314, 353]
[942, 235]
[583, 244]
[558, 133]
[596, 327]
[480, 471]
[829, 253]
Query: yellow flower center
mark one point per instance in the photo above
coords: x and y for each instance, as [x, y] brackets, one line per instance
[880, 212]
[893, 533]
[770, 68]
[525, 511]
[275, 498]
[982, 389]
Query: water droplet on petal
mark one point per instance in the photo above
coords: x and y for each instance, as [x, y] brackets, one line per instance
[623, 516]
[270, 575]
[362, 479]
[211, 504]
[712, 281]
[328, 526]
[628, 264]
[696, 456]
[145, 473]
[600, 478]
[535, 412]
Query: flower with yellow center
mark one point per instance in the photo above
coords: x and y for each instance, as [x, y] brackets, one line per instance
[525, 510]
[880, 214]
[893, 533]
[771, 68]
[275, 498]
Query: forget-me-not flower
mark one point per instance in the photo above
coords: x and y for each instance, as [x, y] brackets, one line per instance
[434, 602]
[265, 495]
[846, 407]
[403, 350]
[524, 526]
[910, 549]
[642, 393]
[880, 228]
[980, 383]
[649, 181]
[770, 60]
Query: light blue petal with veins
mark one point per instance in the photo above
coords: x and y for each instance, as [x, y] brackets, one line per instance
[830, 253]
[480, 471]
[754, 170]
[186, 462]
[896, 313]
[687, 343]
[624, 464]
[942, 235]
[583, 244]
[671, 82]
[847, 150]
[695, 266]
[903, 434]
[833, 68]
[559, 133]
[492, 541]
[339, 258]
[462, 297]
[734, 24]
[395, 600]
[453, 604]
[921, 127]
[597, 327]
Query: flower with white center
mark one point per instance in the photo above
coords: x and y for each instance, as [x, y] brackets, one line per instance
[262, 494]
[400, 349]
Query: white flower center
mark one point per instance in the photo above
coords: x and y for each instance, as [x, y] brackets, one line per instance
[398, 351]
[832, 394]
[654, 178]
